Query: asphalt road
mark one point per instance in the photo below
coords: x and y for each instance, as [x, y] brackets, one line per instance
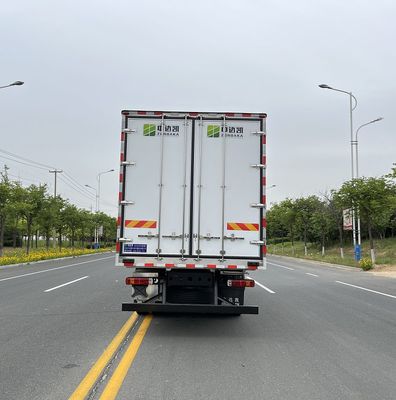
[316, 337]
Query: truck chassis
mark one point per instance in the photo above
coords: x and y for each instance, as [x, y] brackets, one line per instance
[185, 291]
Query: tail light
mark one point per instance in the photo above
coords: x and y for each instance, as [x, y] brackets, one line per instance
[240, 283]
[139, 281]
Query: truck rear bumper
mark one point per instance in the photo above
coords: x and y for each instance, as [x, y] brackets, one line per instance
[189, 308]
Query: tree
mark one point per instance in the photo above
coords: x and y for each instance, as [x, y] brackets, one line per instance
[305, 208]
[335, 210]
[49, 216]
[322, 223]
[5, 196]
[375, 200]
[72, 219]
[31, 206]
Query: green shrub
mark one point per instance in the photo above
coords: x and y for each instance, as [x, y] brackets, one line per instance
[366, 264]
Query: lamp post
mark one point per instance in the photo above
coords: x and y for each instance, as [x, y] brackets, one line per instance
[16, 83]
[351, 108]
[356, 143]
[96, 209]
[98, 192]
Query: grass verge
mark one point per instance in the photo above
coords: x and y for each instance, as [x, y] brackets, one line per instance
[19, 256]
[385, 251]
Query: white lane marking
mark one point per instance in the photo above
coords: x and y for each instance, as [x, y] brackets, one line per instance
[65, 284]
[367, 290]
[308, 273]
[281, 266]
[53, 269]
[265, 288]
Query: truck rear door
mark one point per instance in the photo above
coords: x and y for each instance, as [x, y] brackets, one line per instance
[156, 174]
[228, 209]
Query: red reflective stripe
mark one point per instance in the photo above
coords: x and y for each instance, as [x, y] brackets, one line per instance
[122, 136]
[190, 265]
[264, 160]
[251, 268]
[232, 266]
[142, 112]
[118, 221]
[264, 181]
[157, 112]
[128, 264]
[230, 114]
[118, 247]
[149, 264]
[264, 250]
[140, 224]
[122, 157]
[264, 139]
[169, 265]
[119, 196]
[124, 113]
[264, 223]
[212, 266]
[246, 115]
[264, 199]
[193, 114]
[121, 176]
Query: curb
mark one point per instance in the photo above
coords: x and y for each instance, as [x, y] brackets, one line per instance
[53, 259]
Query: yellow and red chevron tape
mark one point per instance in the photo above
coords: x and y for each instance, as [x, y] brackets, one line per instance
[239, 226]
[138, 223]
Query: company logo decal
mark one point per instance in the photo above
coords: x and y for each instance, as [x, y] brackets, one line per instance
[156, 130]
[215, 131]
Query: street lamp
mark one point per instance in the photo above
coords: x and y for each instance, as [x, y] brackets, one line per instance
[16, 83]
[98, 192]
[351, 108]
[356, 143]
[96, 228]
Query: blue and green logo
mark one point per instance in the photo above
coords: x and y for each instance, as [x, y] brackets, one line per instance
[213, 131]
[149, 129]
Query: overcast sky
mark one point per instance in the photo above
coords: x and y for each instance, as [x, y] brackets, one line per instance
[85, 61]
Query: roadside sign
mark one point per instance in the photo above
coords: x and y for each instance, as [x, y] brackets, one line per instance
[347, 218]
[358, 252]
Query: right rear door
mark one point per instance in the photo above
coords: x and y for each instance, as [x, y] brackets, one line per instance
[227, 192]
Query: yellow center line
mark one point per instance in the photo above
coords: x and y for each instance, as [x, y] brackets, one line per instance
[92, 376]
[114, 385]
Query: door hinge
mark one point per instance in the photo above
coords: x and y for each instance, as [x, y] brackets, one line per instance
[127, 203]
[257, 242]
[257, 205]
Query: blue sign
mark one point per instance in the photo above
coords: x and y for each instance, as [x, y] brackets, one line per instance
[135, 248]
[358, 252]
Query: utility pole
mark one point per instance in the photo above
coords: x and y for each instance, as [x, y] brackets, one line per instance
[55, 172]
[6, 168]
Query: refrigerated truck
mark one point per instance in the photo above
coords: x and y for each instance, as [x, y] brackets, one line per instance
[192, 205]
